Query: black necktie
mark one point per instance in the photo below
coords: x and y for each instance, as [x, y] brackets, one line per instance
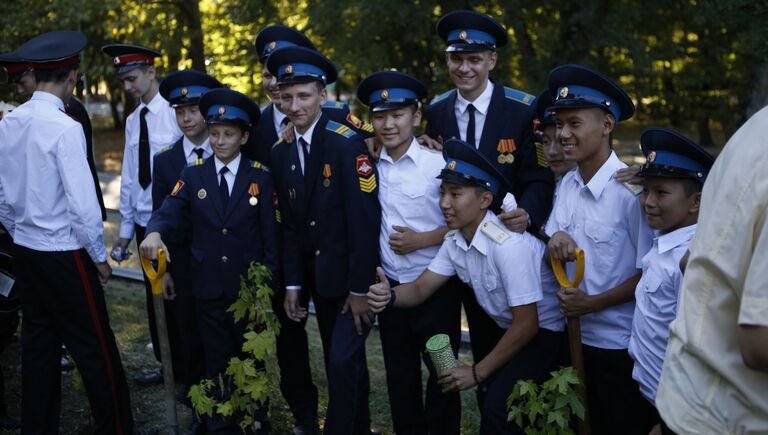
[471, 125]
[284, 122]
[199, 152]
[304, 148]
[145, 174]
[224, 187]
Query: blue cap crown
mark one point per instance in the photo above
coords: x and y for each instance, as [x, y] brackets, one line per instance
[470, 170]
[670, 154]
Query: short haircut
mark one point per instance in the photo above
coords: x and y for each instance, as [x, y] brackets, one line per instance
[691, 186]
[56, 75]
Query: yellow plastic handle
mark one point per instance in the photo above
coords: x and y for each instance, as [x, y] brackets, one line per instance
[562, 277]
[155, 276]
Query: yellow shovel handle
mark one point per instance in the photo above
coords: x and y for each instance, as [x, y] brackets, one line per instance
[562, 277]
[155, 276]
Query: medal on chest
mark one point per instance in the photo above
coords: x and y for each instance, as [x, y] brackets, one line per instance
[253, 190]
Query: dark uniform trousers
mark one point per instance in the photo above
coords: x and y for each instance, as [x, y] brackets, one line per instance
[534, 361]
[170, 316]
[63, 302]
[404, 334]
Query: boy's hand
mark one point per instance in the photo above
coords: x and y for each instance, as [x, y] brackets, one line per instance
[404, 241]
[169, 289]
[515, 220]
[374, 148]
[287, 135]
[361, 313]
[562, 247]
[429, 142]
[457, 379]
[152, 242]
[293, 310]
[379, 293]
[105, 272]
[628, 175]
[574, 302]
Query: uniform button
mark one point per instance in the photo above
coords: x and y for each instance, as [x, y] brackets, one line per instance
[224, 231]
[317, 253]
[312, 224]
[224, 259]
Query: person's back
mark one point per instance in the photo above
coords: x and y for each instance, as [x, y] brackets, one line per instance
[705, 385]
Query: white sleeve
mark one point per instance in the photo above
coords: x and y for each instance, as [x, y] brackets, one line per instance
[82, 204]
[442, 264]
[127, 180]
[520, 271]
[7, 216]
[640, 234]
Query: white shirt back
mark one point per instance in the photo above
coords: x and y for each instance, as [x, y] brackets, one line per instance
[42, 174]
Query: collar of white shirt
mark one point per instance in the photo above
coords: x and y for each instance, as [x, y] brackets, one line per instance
[155, 105]
[232, 166]
[413, 152]
[189, 148]
[669, 241]
[277, 115]
[481, 103]
[479, 242]
[603, 176]
[47, 96]
[307, 134]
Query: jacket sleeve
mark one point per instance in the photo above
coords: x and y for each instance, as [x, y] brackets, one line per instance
[174, 208]
[363, 215]
[291, 249]
[268, 225]
[160, 184]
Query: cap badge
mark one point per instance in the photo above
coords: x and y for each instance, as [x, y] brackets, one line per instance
[463, 35]
[184, 91]
[384, 94]
[116, 61]
[452, 165]
[652, 156]
[563, 92]
[699, 174]
[289, 69]
[222, 110]
[272, 45]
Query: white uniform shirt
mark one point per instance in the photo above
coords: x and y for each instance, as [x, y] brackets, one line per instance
[135, 202]
[42, 173]
[277, 120]
[605, 220]
[307, 136]
[504, 269]
[189, 149]
[230, 174]
[656, 306]
[409, 193]
[481, 103]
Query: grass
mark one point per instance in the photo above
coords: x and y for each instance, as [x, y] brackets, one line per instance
[128, 319]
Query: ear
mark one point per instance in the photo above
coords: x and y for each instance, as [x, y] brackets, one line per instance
[244, 137]
[72, 76]
[324, 95]
[486, 199]
[609, 123]
[695, 201]
[416, 121]
[493, 59]
[151, 72]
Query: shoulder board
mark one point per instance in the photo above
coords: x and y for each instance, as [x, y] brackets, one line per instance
[165, 148]
[519, 96]
[441, 97]
[340, 129]
[433, 151]
[197, 162]
[494, 232]
[257, 165]
[279, 141]
[334, 105]
[634, 188]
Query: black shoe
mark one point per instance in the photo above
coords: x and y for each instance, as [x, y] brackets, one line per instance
[149, 431]
[151, 378]
[196, 428]
[8, 423]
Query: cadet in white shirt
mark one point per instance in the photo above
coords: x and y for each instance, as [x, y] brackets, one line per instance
[412, 230]
[59, 251]
[508, 276]
[598, 214]
[673, 176]
[148, 129]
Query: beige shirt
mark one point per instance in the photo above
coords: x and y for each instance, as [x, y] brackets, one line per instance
[705, 387]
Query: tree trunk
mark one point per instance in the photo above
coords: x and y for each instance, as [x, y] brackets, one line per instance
[190, 10]
[705, 134]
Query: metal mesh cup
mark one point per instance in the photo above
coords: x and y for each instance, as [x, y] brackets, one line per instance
[441, 353]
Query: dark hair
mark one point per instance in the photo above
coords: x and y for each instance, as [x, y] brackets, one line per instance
[56, 75]
[691, 186]
[320, 86]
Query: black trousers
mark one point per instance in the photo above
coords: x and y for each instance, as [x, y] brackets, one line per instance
[184, 312]
[534, 361]
[404, 333]
[174, 338]
[615, 402]
[63, 302]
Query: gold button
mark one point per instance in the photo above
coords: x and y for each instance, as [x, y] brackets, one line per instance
[312, 224]
[317, 253]
[224, 259]
[224, 231]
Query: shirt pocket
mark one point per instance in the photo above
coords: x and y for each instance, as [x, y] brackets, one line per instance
[603, 237]
[414, 196]
[490, 281]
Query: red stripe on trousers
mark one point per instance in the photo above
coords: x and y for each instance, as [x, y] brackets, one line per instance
[100, 333]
